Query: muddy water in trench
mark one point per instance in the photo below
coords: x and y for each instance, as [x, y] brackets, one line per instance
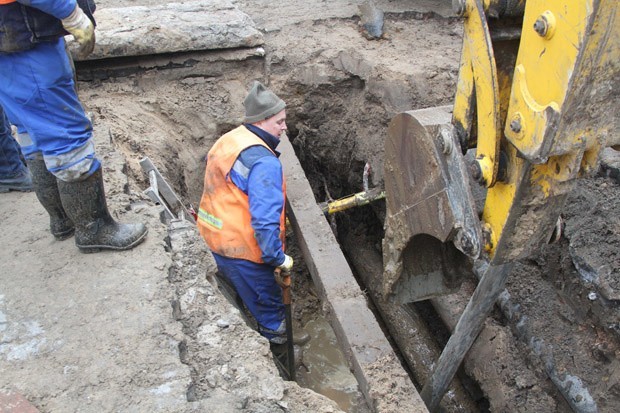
[324, 368]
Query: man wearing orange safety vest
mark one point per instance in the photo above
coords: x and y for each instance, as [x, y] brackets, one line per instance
[38, 94]
[242, 211]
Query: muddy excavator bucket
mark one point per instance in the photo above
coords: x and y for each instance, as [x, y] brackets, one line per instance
[432, 231]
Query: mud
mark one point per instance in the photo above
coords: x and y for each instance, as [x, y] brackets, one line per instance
[341, 90]
[324, 367]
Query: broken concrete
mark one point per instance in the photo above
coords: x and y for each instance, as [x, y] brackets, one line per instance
[173, 27]
[69, 321]
[218, 343]
[112, 331]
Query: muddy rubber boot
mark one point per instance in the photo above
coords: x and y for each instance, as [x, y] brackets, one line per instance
[300, 338]
[280, 355]
[95, 229]
[21, 182]
[46, 189]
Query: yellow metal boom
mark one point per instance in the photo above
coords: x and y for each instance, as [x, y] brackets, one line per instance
[536, 102]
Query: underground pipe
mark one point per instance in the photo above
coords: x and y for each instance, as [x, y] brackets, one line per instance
[571, 388]
[407, 329]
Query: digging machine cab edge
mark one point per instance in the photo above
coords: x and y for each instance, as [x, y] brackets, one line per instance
[484, 181]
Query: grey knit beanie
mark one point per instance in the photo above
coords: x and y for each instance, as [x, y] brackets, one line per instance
[261, 103]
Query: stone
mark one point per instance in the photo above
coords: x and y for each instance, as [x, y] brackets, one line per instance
[170, 28]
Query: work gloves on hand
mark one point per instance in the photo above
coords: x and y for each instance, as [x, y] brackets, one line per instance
[287, 265]
[282, 273]
[82, 29]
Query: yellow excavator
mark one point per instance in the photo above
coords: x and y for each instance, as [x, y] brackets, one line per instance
[484, 180]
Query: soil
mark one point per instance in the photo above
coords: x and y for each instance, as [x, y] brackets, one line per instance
[166, 337]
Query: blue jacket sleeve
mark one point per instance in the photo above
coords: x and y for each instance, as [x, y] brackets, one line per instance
[57, 8]
[266, 203]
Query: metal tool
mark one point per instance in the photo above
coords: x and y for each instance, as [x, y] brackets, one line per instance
[284, 281]
[162, 193]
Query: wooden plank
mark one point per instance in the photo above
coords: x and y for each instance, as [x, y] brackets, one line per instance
[467, 329]
[382, 379]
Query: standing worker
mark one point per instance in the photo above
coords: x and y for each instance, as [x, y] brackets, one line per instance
[14, 175]
[37, 91]
[242, 211]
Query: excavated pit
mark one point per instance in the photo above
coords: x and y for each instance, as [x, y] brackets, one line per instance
[553, 346]
[360, 233]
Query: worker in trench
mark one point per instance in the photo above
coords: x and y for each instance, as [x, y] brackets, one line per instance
[242, 211]
[38, 93]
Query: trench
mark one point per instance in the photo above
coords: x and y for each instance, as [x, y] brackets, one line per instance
[359, 232]
[325, 136]
[323, 366]
[172, 108]
[518, 342]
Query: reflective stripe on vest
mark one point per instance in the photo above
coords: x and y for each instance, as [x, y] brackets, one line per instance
[224, 219]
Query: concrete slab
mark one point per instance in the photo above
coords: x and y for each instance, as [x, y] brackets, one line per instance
[172, 27]
[342, 9]
[382, 379]
[88, 332]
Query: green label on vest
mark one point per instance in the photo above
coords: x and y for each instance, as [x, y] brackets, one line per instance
[209, 219]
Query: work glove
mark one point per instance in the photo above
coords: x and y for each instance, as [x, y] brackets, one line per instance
[82, 29]
[287, 265]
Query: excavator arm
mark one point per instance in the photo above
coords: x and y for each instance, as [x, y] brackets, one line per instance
[560, 115]
[486, 179]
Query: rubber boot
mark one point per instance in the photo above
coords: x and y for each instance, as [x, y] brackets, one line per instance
[46, 188]
[300, 338]
[95, 229]
[20, 182]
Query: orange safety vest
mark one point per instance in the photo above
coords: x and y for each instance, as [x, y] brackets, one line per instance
[224, 219]
[7, 1]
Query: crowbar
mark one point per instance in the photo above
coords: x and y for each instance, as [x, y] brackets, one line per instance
[284, 281]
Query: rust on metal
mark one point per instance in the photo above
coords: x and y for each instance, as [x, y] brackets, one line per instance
[429, 207]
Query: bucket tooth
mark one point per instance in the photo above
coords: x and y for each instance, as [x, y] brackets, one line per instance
[432, 231]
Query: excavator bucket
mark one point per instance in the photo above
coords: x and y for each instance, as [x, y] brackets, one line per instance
[432, 231]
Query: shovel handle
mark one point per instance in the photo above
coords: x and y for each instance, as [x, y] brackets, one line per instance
[284, 281]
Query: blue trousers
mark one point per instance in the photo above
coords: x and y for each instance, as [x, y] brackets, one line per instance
[259, 291]
[38, 93]
[10, 160]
